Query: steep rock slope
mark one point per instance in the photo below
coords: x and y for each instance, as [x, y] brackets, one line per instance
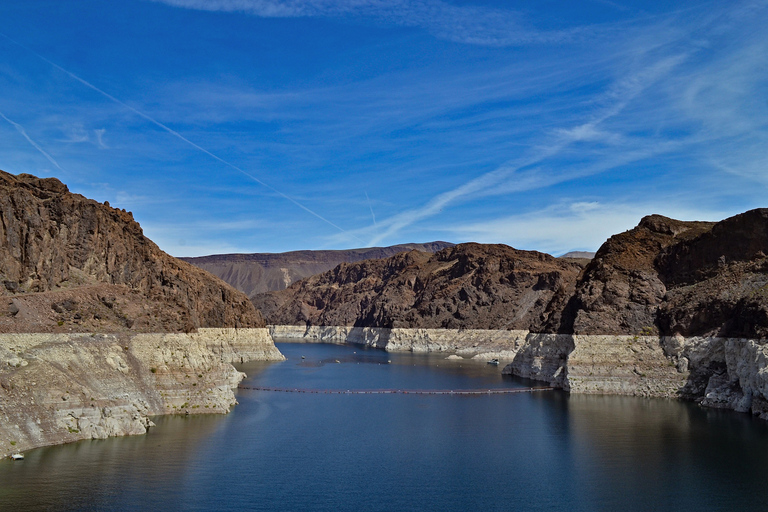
[262, 272]
[670, 277]
[668, 308]
[100, 329]
[469, 286]
[621, 290]
[68, 263]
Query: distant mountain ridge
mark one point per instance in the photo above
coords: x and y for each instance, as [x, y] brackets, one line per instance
[468, 286]
[263, 272]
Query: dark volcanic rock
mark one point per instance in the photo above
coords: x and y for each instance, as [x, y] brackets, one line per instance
[469, 286]
[663, 277]
[620, 290]
[263, 272]
[71, 263]
[672, 277]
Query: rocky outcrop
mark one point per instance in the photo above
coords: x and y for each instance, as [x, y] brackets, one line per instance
[54, 241]
[57, 388]
[263, 272]
[669, 308]
[469, 286]
[100, 329]
[670, 277]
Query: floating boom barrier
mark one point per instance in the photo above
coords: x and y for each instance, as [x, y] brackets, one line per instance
[491, 391]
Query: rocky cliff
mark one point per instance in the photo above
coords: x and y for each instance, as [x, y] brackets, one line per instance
[58, 388]
[68, 263]
[262, 272]
[100, 329]
[469, 286]
[669, 308]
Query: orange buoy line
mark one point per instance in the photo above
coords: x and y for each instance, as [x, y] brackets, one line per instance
[492, 391]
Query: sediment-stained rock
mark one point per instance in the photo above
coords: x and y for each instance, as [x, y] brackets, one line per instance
[101, 329]
[481, 344]
[667, 309]
[57, 388]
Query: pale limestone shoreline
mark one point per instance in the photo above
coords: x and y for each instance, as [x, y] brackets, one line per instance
[467, 343]
[733, 373]
[59, 388]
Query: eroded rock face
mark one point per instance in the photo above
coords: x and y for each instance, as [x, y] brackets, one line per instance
[621, 289]
[58, 388]
[68, 263]
[258, 273]
[469, 286]
[670, 277]
[100, 329]
[669, 308]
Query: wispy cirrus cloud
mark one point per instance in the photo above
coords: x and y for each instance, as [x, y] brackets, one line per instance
[579, 225]
[34, 144]
[525, 175]
[471, 24]
[76, 134]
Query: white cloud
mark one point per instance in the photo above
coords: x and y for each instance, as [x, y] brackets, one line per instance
[520, 176]
[565, 227]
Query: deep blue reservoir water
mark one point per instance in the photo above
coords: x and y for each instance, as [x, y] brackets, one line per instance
[382, 452]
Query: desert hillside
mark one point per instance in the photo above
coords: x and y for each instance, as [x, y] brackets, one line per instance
[469, 286]
[71, 264]
[264, 272]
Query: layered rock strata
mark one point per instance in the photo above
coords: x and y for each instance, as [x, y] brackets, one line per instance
[58, 388]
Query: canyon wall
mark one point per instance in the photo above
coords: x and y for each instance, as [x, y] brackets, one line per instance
[59, 388]
[100, 329]
[478, 344]
[667, 309]
[68, 263]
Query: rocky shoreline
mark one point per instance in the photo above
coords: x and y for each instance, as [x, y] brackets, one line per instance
[467, 343]
[728, 373]
[60, 388]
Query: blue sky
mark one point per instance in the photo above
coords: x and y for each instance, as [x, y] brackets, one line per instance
[268, 126]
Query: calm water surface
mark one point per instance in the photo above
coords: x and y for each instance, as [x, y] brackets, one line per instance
[525, 451]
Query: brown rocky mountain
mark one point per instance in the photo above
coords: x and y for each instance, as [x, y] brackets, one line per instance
[68, 263]
[664, 277]
[263, 272]
[671, 277]
[469, 286]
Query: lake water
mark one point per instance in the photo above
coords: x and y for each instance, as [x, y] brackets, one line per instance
[339, 452]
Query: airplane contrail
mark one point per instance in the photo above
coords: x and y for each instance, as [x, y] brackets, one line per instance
[371, 208]
[23, 132]
[172, 132]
